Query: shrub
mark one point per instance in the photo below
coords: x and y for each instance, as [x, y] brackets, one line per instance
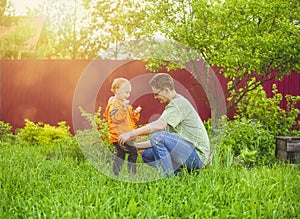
[250, 137]
[41, 133]
[99, 126]
[257, 106]
[248, 141]
[5, 132]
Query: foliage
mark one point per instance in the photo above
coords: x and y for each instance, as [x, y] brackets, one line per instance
[245, 38]
[6, 9]
[12, 44]
[13, 36]
[208, 126]
[65, 36]
[257, 106]
[89, 26]
[250, 137]
[98, 125]
[117, 22]
[5, 132]
[41, 133]
[248, 141]
[2, 7]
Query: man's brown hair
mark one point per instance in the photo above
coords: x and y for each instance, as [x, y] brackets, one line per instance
[162, 80]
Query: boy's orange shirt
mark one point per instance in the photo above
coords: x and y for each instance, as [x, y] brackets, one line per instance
[120, 118]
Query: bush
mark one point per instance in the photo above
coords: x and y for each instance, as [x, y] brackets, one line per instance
[41, 133]
[257, 106]
[248, 142]
[99, 128]
[250, 137]
[6, 133]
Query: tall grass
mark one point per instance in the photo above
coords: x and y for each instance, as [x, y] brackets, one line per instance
[33, 186]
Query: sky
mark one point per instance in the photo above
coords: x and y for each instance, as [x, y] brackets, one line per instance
[21, 5]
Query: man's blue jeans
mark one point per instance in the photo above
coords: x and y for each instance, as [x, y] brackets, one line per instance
[170, 153]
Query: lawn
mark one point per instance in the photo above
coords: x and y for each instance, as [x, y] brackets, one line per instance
[36, 186]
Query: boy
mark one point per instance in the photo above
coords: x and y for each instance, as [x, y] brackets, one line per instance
[121, 118]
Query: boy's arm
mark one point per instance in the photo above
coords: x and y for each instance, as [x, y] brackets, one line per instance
[134, 114]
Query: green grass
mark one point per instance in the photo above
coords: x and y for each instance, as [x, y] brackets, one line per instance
[35, 187]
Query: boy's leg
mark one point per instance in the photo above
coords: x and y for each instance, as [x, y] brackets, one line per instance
[130, 148]
[119, 156]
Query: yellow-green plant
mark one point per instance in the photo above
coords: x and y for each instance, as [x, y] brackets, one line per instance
[40, 133]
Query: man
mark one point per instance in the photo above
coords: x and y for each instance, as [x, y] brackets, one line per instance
[178, 138]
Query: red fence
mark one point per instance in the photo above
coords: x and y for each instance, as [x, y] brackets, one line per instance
[51, 91]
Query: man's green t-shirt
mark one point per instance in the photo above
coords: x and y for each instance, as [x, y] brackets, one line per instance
[184, 121]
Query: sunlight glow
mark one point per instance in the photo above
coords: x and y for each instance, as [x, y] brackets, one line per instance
[21, 6]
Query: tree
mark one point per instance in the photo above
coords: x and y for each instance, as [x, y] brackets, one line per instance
[244, 38]
[88, 27]
[2, 7]
[112, 23]
[12, 36]
[63, 23]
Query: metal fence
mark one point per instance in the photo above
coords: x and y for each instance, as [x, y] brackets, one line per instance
[51, 91]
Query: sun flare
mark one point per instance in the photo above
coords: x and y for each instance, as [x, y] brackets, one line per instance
[53, 10]
[21, 7]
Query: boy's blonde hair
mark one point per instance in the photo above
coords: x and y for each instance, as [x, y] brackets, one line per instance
[117, 83]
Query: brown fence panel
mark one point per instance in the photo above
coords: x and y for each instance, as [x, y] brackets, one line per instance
[38, 90]
[44, 90]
